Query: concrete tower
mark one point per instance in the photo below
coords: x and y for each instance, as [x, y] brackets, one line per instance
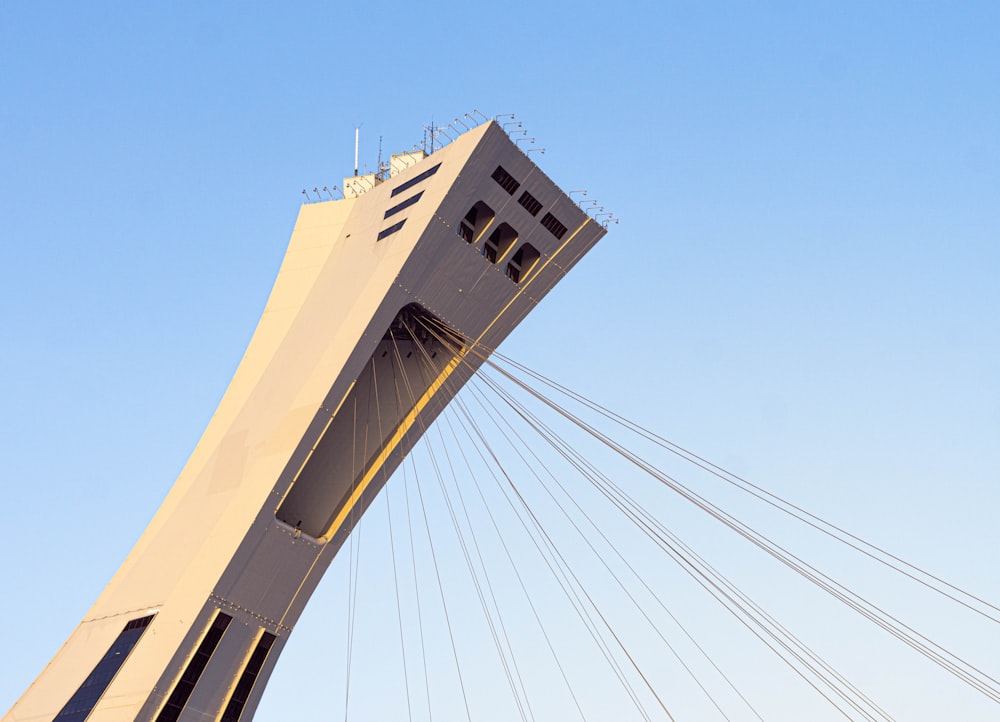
[369, 332]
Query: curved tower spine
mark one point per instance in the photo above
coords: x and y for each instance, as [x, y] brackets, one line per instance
[398, 280]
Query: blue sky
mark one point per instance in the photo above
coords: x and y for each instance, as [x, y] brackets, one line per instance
[803, 285]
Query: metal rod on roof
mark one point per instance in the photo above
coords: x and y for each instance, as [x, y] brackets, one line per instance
[357, 139]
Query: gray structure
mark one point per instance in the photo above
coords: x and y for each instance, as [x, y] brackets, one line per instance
[384, 306]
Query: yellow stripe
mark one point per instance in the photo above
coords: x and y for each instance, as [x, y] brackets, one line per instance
[388, 448]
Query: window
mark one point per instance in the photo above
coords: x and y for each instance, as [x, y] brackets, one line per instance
[530, 203]
[556, 228]
[475, 222]
[413, 181]
[390, 230]
[522, 262]
[499, 243]
[87, 696]
[506, 180]
[245, 686]
[195, 666]
[402, 204]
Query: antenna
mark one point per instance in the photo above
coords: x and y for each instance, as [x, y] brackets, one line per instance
[357, 137]
[378, 170]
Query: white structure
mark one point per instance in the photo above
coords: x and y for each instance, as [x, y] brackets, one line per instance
[367, 334]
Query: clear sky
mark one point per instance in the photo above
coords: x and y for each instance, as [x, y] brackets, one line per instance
[804, 285]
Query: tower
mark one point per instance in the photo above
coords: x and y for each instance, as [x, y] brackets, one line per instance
[386, 303]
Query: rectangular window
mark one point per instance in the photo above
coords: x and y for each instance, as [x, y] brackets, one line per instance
[391, 229]
[505, 179]
[530, 203]
[556, 228]
[413, 181]
[244, 687]
[171, 712]
[402, 204]
[86, 698]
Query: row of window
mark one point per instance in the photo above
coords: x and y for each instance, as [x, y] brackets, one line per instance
[530, 203]
[499, 243]
[402, 205]
[468, 226]
[196, 665]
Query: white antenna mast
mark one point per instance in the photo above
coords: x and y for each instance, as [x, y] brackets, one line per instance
[357, 136]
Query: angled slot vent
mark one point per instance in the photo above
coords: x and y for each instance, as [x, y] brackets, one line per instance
[414, 181]
[391, 229]
[402, 205]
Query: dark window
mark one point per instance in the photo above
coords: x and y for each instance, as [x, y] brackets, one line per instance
[475, 222]
[192, 673]
[556, 228]
[499, 243]
[401, 205]
[85, 699]
[391, 229]
[522, 262]
[530, 203]
[245, 686]
[505, 179]
[414, 180]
